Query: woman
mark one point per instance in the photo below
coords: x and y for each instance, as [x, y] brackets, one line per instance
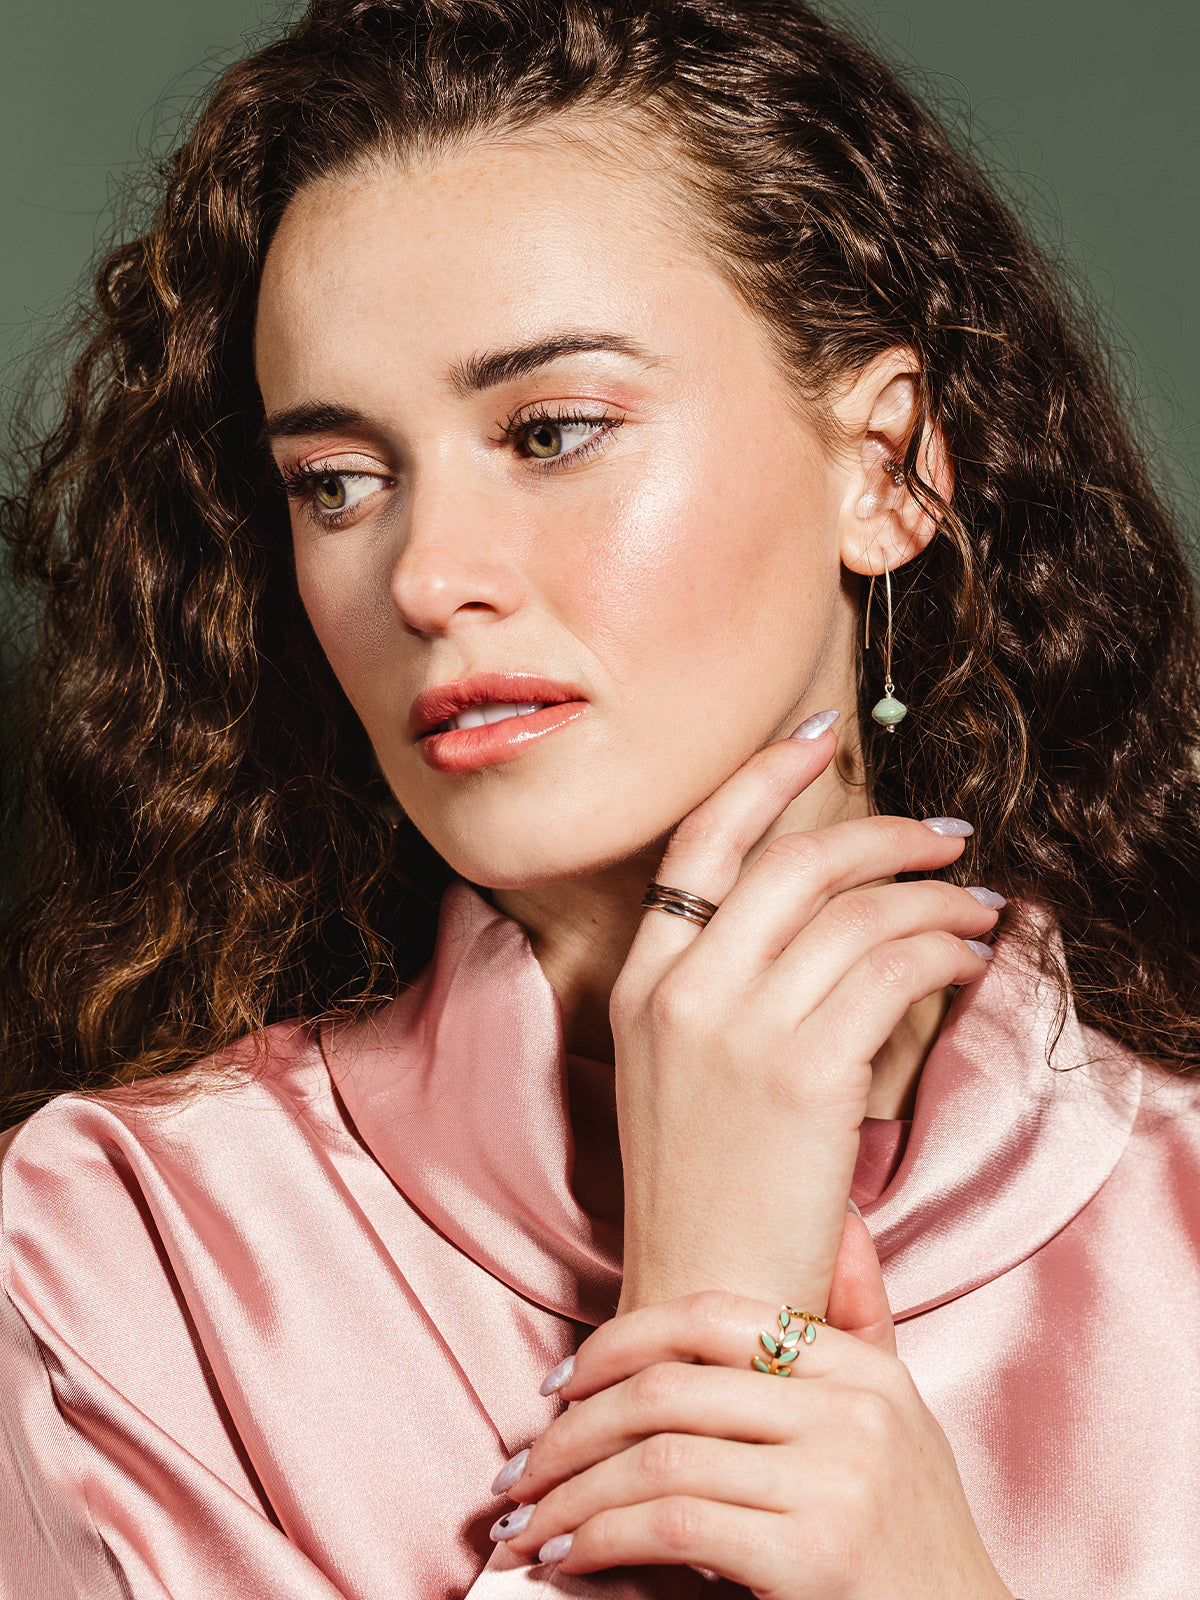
[534, 453]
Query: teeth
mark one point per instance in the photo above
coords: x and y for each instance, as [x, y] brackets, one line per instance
[477, 716]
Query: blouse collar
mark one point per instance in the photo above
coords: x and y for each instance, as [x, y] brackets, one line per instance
[458, 1089]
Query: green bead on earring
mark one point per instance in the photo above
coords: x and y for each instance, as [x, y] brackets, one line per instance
[889, 711]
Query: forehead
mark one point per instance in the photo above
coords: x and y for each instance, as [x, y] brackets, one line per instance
[492, 241]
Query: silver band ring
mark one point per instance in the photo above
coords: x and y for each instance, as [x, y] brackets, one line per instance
[679, 903]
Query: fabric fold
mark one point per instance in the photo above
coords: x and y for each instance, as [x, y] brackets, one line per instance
[273, 1329]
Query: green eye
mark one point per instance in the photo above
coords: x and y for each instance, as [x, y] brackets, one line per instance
[544, 439]
[548, 439]
[330, 492]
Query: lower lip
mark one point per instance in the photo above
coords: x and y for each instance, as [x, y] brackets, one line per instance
[469, 749]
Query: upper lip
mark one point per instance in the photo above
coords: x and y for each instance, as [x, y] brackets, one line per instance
[446, 700]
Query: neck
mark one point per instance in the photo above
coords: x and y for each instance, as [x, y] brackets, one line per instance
[581, 931]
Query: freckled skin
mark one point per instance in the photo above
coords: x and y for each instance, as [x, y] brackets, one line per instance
[687, 575]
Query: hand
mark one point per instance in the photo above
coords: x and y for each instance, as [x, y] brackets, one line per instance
[744, 1048]
[834, 1484]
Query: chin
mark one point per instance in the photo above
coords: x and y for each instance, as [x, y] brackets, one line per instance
[558, 853]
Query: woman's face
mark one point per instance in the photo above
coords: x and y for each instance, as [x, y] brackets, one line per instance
[532, 434]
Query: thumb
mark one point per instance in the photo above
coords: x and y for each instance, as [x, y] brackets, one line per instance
[858, 1302]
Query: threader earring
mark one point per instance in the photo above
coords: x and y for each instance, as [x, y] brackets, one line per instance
[888, 711]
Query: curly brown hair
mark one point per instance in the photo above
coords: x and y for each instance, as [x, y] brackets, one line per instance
[210, 850]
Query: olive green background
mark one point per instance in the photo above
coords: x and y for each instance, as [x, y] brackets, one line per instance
[1085, 110]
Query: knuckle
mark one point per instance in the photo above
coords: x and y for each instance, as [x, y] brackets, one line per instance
[677, 1523]
[652, 1391]
[699, 829]
[663, 1459]
[871, 1418]
[710, 1311]
[800, 855]
[896, 833]
[859, 915]
[894, 965]
[675, 1003]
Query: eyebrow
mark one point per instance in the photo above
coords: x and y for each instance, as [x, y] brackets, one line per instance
[472, 376]
[298, 421]
[503, 366]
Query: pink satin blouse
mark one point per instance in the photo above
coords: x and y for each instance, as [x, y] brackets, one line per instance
[272, 1340]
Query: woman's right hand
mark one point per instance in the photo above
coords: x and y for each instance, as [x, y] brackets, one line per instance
[744, 1049]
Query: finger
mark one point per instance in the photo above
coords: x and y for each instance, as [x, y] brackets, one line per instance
[801, 875]
[764, 1478]
[747, 1547]
[876, 992]
[748, 1407]
[707, 849]
[709, 1328]
[858, 1302]
[857, 921]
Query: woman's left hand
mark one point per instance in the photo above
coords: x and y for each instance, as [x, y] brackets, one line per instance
[834, 1484]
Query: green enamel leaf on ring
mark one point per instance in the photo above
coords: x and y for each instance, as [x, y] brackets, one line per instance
[760, 1365]
[810, 1332]
[768, 1344]
[788, 1355]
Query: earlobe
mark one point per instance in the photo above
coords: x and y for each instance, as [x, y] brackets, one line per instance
[884, 518]
[889, 522]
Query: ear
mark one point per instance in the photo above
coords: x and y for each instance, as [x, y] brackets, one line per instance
[882, 520]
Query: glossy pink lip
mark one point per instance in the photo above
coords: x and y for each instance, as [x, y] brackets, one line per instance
[469, 749]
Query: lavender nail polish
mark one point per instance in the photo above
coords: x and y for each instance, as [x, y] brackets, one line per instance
[558, 1547]
[511, 1524]
[980, 949]
[559, 1378]
[813, 727]
[950, 827]
[988, 897]
[510, 1472]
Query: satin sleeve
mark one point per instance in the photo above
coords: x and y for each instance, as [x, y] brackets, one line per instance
[48, 1545]
[115, 1485]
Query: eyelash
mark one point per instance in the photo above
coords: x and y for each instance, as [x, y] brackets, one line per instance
[522, 422]
[299, 483]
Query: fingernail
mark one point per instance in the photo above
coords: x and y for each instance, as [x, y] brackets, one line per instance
[513, 1523]
[510, 1472]
[980, 949]
[558, 1547]
[559, 1378]
[988, 897]
[850, 1206]
[813, 727]
[951, 827]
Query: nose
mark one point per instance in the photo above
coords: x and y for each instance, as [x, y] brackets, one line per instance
[457, 556]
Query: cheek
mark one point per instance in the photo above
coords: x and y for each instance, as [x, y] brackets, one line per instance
[720, 567]
[347, 602]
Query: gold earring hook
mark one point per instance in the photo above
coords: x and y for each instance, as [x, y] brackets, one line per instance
[888, 711]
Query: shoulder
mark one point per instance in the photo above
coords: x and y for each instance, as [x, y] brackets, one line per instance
[88, 1166]
[1159, 1165]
